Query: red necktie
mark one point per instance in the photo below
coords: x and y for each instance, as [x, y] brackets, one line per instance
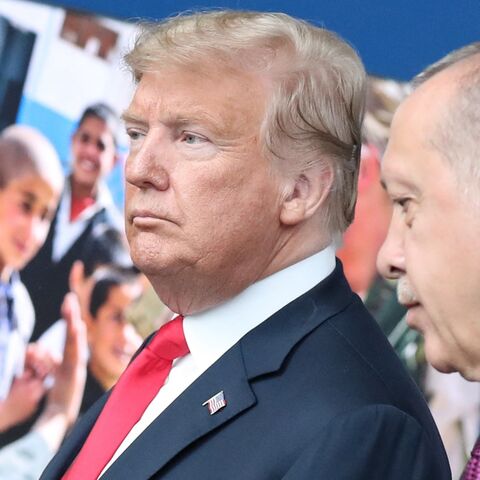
[472, 470]
[133, 392]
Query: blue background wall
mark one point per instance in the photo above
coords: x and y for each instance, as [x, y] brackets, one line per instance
[59, 130]
[395, 38]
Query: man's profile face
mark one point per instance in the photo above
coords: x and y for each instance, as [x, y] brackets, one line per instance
[93, 152]
[432, 244]
[200, 197]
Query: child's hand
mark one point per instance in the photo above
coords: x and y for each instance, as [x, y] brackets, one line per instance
[39, 362]
[23, 398]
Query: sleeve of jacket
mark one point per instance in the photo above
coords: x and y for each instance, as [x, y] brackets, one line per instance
[373, 443]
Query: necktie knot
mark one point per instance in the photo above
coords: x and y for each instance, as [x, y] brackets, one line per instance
[169, 342]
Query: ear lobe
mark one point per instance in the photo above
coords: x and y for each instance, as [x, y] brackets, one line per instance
[305, 194]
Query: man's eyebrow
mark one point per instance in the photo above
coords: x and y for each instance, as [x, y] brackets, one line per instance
[179, 119]
[132, 118]
[404, 183]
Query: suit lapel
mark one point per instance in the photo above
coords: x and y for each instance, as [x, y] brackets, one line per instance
[266, 347]
[186, 420]
[261, 351]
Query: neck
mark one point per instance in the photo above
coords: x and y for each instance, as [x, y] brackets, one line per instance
[82, 191]
[5, 273]
[189, 292]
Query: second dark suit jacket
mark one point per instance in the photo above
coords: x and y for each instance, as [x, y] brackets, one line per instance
[314, 392]
[47, 280]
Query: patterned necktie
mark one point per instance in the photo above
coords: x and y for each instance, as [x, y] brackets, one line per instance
[133, 392]
[472, 470]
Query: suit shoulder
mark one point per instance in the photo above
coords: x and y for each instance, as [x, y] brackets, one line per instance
[369, 443]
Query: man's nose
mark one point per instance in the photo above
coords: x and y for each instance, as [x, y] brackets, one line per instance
[391, 257]
[145, 168]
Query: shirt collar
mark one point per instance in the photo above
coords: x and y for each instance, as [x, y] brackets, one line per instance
[211, 333]
[103, 199]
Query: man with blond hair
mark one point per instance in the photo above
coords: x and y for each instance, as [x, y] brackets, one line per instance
[245, 143]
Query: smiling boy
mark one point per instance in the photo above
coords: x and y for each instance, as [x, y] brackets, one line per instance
[31, 180]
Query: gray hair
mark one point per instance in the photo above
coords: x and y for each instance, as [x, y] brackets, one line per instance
[316, 106]
[456, 134]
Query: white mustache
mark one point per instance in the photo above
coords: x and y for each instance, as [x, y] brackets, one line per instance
[405, 293]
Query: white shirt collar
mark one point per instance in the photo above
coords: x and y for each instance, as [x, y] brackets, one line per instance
[211, 333]
[103, 199]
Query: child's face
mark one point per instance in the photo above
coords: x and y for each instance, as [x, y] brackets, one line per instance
[27, 206]
[93, 152]
[112, 340]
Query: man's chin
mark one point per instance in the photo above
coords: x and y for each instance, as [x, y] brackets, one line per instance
[438, 358]
[442, 367]
[157, 267]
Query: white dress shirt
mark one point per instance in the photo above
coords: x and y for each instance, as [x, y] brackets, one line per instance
[14, 337]
[66, 231]
[211, 333]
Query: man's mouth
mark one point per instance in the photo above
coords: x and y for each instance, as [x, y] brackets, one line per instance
[145, 218]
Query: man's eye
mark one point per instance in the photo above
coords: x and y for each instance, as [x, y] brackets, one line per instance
[406, 209]
[134, 134]
[192, 139]
[403, 203]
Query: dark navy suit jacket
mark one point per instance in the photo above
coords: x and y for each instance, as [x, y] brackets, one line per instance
[314, 392]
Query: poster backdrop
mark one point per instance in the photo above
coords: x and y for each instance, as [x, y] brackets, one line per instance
[396, 38]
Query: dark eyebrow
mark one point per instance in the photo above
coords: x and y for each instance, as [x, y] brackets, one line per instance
[383, 184]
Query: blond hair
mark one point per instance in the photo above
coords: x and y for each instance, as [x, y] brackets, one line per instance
[315, 110]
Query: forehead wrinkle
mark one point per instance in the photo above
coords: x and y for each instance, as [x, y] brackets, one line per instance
[196, 103]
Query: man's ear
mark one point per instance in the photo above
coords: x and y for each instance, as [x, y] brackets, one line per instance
[305, 193]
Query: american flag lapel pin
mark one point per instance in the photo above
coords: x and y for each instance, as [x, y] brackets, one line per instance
[216, 403]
